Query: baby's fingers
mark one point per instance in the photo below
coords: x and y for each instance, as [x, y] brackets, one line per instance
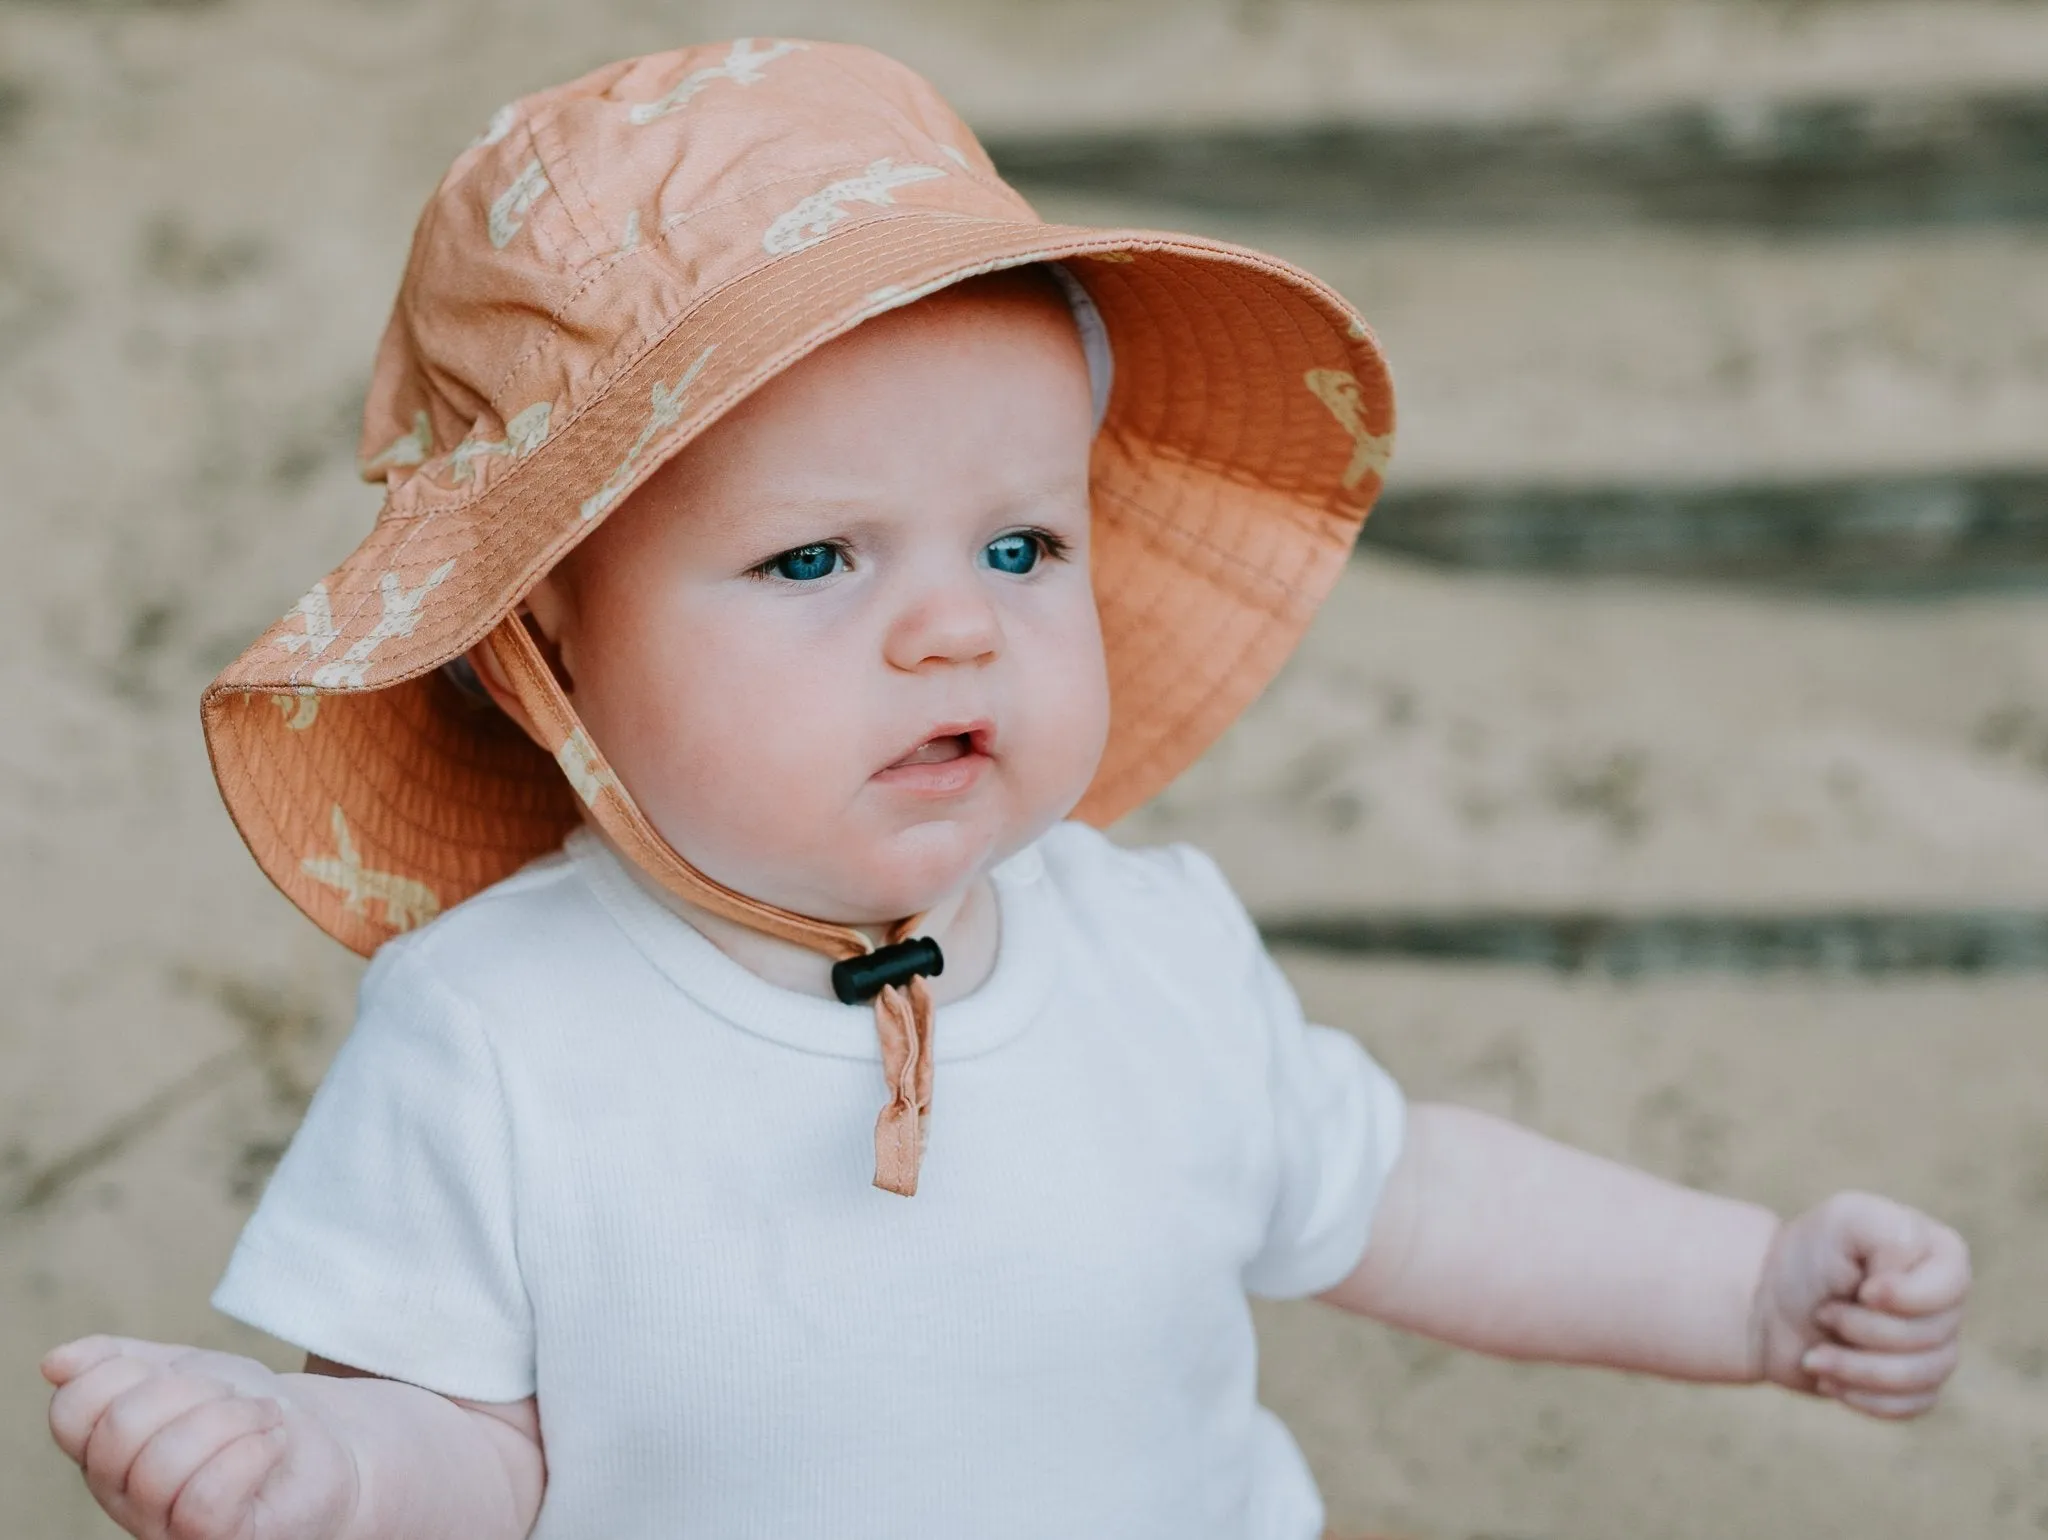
[1891, 1407]
[135, 1417]
[78, 1405]
[1880, 1374]
[1887, 1333]
[218, 1502]
[65, 1363]
[183, 1448]
[1933, 1277]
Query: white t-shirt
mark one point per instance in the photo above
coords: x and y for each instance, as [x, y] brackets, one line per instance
[572, 1150]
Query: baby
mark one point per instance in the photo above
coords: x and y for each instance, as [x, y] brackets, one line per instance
[780, 512]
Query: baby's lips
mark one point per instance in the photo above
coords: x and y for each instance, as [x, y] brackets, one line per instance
[937, 751]
[979, 735]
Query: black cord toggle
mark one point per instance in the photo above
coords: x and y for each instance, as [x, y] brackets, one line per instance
[864, 977]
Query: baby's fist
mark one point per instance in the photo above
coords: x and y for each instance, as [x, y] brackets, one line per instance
[1861, 1299]
[181, 1444]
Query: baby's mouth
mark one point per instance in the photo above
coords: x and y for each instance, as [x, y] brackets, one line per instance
[937, 751]
[948, 761]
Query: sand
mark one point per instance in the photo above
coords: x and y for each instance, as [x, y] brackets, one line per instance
[219, 197]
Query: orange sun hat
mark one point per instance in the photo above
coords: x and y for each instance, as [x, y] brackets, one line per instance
[609, 267]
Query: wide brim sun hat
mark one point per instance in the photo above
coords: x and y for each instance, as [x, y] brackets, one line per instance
[614, 263]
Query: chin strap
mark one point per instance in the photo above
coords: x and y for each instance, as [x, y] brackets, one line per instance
[903, 1003]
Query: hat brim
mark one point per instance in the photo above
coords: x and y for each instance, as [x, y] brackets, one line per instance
[1244, 443]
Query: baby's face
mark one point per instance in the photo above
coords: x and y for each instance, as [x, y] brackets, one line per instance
[843, 649]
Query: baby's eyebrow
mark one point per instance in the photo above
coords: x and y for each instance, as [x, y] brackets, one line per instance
[811, 517]
[825, 516]
[751, 540]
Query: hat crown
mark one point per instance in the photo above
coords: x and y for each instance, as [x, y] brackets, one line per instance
[586, 219]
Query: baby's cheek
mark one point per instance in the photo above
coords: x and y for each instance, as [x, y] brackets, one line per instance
[1077, 735]
[1067, 689]
[771, 762]
[725, 761]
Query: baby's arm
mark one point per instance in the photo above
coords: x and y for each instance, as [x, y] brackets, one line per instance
[1495, 1238]
[181, 1444]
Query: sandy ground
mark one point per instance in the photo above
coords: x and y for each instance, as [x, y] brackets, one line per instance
[221, 195]
[1775, 1091]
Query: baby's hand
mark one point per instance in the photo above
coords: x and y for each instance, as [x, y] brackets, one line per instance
[181, 1444]
[1861, 1299]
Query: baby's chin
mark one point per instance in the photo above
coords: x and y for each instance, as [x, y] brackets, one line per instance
[881, 881]
[861, 877]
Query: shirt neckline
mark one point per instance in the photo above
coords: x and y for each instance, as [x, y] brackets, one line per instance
[1007, 1001]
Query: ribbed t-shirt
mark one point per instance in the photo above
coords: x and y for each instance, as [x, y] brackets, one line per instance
[571, 1150]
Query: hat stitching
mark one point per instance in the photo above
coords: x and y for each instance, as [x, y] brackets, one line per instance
[400, 618]
[1367, 455]
[350, 878]
[1239, 421]
[423, 241]
[1146, 522]
[595, 269]
[555, 164]
[668, 408]
[1141, 763]
[682, 217]
[1332, 503]
[508, 211]
[815, 218]
[524, 433]
[976, 174]
[392, 560]
[323, 631]
[300, 707]
[604, 262]
[1341, 392]
[405, 315]
[581, 212]
[472, 858]
[402, 811]
[317, 611]
[907, 124]
[407, 901]
[894, 296]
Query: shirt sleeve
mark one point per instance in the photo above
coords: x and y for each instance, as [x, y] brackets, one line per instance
[386, 1238]
[1337, 1121]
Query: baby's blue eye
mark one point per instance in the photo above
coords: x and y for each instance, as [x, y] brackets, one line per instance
[807, 563]
[1013, 553]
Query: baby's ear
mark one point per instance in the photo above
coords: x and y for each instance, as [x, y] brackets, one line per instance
[548, 602]
[492, 677]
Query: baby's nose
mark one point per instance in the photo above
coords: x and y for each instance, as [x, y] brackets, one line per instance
[944, 622]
